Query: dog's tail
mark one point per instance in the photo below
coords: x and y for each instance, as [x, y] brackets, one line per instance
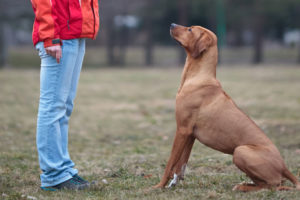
[287, 174]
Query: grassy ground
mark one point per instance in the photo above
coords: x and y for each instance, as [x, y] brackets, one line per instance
[122, 129]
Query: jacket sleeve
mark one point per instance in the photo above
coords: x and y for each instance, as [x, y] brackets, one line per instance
[46, 18]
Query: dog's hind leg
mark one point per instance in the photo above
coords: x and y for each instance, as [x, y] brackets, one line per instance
[247, 187]
[261, 165]
[287, 174]
[181, 141]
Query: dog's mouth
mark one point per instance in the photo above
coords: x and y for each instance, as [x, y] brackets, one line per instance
[178, 42]
[171, 33]
[175, 39]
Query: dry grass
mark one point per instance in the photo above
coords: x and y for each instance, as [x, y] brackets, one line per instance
[122, 130]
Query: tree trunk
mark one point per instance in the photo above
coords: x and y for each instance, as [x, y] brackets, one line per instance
[3, 49]
[183, 20]
[239, 41]
[148, 45]
[149, 50]
[110, 44]
[221, 26]
[258, 42]
[299, 52]
[123, 42]
[258, 25]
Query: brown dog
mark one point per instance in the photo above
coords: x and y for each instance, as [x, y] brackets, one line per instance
[205, 112]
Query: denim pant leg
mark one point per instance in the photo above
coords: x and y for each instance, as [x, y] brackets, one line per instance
[64, 122]
[52, 132]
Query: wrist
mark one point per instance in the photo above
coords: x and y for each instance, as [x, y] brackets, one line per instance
[52, 42]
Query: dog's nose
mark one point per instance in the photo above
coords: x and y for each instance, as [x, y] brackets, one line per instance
[173, 25]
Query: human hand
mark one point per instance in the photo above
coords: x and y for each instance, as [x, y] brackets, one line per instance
[55, 52]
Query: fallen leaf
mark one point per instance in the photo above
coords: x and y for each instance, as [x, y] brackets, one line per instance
[148, 176]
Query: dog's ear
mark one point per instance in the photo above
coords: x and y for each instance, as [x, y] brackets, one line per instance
[202, 44]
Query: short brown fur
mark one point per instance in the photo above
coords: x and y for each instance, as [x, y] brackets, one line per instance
[206, 113]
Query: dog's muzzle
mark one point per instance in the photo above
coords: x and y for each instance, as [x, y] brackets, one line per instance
[173, 25]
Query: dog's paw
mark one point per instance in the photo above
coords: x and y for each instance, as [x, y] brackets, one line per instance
[173, 181]
[151, 189]
[239, 186]
[236, 188]
[158, 186]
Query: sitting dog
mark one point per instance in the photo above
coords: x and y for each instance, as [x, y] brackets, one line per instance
[206, 113]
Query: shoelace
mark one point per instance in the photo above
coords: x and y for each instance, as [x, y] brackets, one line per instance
[78, 178]
[73, 180]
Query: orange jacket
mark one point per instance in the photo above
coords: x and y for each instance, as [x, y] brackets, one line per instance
[57, 20]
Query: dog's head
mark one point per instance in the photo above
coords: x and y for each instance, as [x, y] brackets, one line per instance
[195, 39]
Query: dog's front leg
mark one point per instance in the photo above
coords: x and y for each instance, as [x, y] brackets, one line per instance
[181, 165]
[179, 144]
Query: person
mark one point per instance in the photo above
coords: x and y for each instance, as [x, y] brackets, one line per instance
[59, 32]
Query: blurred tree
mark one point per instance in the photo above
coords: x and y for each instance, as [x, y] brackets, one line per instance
[108, 22]
[117, 31]
[148, 27]
[242, 15]
[258, 30]
[297, 8]
[221, 25]
[122, 37]
[156, 18]
[265, 18]
[109, 10]
[270, 19]
[183, 7]
[293, 19]
[258, 18]
[3, 48]
[261, 18]
[237, 20]
[221, 22]
[11, 13]
[161, 15]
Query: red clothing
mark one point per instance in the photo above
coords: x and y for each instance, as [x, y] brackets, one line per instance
[64, 19]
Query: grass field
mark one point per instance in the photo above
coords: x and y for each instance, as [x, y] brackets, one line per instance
[122, 129]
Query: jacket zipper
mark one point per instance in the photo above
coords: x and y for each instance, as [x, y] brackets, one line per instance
[68, 24]
[68, 21]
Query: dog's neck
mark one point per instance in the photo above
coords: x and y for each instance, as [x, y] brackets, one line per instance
[201, 68]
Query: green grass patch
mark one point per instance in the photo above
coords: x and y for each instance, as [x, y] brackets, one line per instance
[122, 130]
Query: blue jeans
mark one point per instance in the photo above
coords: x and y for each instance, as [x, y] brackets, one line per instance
[58, 85]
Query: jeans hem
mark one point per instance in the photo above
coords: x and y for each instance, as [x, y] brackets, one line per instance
[58, 181]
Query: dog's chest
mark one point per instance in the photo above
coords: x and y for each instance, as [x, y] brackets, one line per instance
[215, 139]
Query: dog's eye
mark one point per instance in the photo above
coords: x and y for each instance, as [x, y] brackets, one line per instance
[190, 29]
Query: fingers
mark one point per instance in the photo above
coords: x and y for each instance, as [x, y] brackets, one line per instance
[55, 52]
[50, 52]
[58, 55]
